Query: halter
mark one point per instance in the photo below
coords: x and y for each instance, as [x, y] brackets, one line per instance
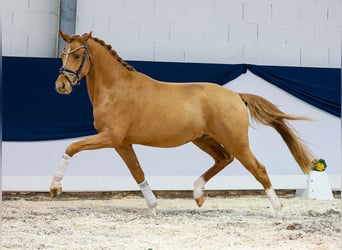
[72, 72]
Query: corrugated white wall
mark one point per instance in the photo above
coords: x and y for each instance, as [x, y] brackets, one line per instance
[269, 32]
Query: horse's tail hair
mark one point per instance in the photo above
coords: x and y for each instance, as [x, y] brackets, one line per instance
[267, 113]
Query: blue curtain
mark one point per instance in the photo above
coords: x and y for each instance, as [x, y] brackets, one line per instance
[320, 87]
[33, 111]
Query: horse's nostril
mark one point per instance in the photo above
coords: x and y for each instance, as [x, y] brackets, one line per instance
[60, 86]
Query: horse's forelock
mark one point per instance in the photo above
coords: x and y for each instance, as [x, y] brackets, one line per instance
[75, 38]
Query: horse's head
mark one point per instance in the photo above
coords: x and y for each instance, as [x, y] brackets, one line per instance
[76, 62]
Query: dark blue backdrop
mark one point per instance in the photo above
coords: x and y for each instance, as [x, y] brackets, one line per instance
[32, 110]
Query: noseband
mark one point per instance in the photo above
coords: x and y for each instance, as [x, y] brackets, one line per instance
[66, 71]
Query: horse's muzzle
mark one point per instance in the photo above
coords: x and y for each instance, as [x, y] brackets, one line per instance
[62, 85]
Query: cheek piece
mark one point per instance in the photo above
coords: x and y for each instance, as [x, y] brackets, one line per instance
[66, 71]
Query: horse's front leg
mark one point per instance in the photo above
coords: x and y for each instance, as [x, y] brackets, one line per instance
[100, 140]
[128, 155]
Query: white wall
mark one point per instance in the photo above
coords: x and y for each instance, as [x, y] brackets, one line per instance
[28, 166]
[29, 27]
[268, 32]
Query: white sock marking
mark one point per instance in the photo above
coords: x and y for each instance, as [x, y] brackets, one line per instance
[198, 187]
[59, 172]
[275, 202]
[149, 196]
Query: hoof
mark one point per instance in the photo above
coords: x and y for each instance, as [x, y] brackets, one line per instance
[278, 214]
[55, 192]
[153, 211]
[153, 205]
[200, 200]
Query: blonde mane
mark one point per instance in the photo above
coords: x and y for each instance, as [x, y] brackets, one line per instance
[110, 50]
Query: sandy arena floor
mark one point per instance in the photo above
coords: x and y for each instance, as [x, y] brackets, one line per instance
[244, 222]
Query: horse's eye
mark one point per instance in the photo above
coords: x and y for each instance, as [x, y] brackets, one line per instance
[77, 56]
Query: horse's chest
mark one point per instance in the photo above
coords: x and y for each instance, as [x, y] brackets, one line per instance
[110, 117]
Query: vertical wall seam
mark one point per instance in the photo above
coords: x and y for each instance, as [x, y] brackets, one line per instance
[228, 32]
[169, 30]
[58, 28]
[27, 44]
[257, 34]
[67, 22]
[155, 8]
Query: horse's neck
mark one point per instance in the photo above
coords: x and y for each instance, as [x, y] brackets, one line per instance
[105, 74]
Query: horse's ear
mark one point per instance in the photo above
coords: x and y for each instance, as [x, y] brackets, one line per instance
[65, 37]
[86, 36]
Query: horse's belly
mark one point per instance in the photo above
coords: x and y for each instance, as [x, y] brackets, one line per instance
[166, 135]
[168, 124]
[163, 142]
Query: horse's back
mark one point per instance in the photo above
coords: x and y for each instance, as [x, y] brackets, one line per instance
[198, 98]
[210, 102]
[171, 114]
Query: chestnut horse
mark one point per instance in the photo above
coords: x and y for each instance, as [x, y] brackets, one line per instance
[132, 108]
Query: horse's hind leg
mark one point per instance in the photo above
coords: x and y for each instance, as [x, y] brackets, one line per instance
[247, 158]
[128, 155]
[222, 159]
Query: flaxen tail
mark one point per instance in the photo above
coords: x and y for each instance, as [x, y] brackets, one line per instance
[268, 114]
